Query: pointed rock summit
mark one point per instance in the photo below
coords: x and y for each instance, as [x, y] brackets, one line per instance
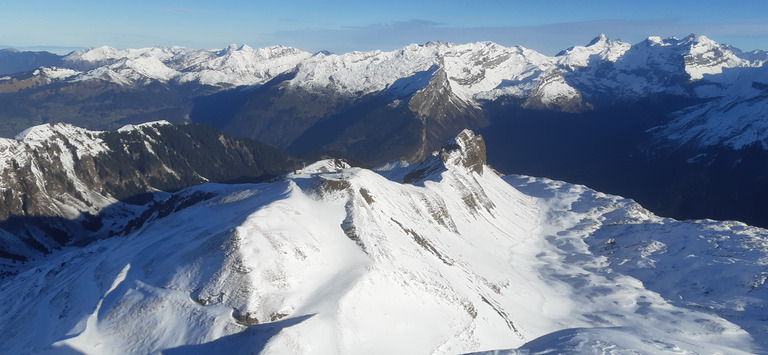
[601, 38]
[466, 150]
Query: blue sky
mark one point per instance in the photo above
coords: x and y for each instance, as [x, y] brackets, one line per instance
[342, 26]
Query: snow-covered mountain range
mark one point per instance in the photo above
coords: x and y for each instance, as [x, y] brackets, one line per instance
[603, 73]
[476, 70]
[231, 66]
[337, 259]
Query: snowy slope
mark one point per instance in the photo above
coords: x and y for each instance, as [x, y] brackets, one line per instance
[710, 266]
[734, 114]
[54, 152]
[336, 259]
[49, 175]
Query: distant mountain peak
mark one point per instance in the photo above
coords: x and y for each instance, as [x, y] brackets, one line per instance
[655, 40]
[601, 38]
[235, 48]
[438, 44]
[600, 48]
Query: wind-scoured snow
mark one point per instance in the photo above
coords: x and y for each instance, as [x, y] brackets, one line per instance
[711, 266]
[335, 259]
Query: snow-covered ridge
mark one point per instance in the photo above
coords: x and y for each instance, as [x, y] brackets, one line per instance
[141, 126]
[85, 141]
[707, 57]
[65, 183]
[485, 70]
[337, 259]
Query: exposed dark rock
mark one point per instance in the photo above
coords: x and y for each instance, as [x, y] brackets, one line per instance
[328, 185]
[467, 150]
[366, 195]
[245, 318]
[424, 243]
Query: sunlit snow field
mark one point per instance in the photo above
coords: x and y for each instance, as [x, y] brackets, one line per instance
[335, 259]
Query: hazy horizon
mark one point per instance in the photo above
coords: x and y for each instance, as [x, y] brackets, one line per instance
[344, 26]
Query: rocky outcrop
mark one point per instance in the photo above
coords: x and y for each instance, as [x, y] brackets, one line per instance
[466, 150]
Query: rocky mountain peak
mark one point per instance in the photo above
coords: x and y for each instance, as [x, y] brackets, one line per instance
[430, 100]
[602, 38]
[466, 150]
[655, 40]
[600, 49]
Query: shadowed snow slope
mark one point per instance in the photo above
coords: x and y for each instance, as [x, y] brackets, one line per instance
[335, 259]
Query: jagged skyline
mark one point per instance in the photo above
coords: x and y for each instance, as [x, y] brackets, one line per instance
[343, 26]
